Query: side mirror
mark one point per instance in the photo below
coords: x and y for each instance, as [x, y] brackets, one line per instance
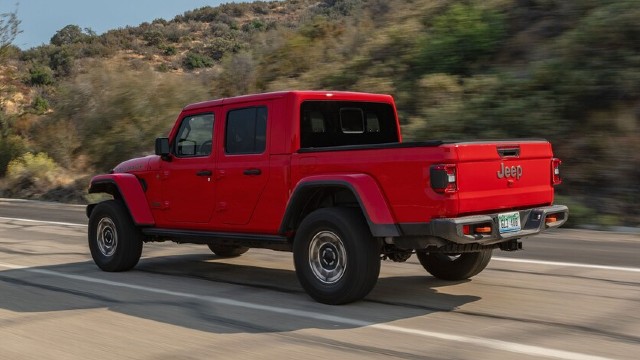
[163, 149]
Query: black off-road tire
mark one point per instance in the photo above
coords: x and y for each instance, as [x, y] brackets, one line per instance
[337, 260]
[228, 250]
[455, 266]
[114, 240]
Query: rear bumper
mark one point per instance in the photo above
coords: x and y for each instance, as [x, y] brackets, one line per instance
[532, 223]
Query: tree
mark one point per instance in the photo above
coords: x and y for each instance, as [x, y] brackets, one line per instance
[9, 29]
[460, 37]
[111, 113]
[70, 34]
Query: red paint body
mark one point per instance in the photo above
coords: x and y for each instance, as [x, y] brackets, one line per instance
[391, 183]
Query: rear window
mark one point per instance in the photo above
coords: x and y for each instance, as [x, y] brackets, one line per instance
[339, 123]
[352, 120]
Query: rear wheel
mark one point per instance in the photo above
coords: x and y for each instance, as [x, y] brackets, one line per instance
[228, 250]
[455, 266]
[114, 240]
[337, 260]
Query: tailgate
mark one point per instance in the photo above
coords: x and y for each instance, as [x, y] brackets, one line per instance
[495, 176]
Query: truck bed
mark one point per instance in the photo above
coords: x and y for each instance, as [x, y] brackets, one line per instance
[402, 171]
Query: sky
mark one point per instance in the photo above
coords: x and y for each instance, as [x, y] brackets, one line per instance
[41, 19]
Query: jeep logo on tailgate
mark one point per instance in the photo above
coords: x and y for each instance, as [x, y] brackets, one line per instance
[507, 172]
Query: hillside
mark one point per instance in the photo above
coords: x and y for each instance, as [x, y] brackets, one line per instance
[565, 71]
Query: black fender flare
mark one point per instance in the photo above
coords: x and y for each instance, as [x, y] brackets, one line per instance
[125, 187]
[372, 202]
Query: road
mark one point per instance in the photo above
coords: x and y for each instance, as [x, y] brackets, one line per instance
[569, 295]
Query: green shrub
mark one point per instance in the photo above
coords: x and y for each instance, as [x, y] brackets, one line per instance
[195, 61]
[163, 68]
[203, 14]
[40, 75]
[11, 146]
[174, 33]
[61, 61]
[96, 49]
[169, 50]
[40, 104]
[39, 171]
[159, 21]
[254, 25]
[117, 39]
[153, 37]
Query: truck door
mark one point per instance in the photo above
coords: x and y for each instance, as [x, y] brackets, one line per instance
[187, 180]
[243, 163]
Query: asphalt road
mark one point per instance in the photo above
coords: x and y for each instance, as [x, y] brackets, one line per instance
[569, 295]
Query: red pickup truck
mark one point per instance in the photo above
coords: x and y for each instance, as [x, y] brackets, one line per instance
[327, 176]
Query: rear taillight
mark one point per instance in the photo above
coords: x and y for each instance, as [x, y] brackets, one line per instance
[444, 178]
[555, 171]
[477, 229]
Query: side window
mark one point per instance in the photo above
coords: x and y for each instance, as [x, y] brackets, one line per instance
[246, 131]
[195, 136]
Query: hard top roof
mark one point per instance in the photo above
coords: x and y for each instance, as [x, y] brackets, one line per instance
[300, 94]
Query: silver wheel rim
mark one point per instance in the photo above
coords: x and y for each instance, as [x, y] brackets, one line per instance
[327, 257]
[107, 237]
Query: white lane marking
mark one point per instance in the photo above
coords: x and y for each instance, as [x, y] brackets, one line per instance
[567, 264]
[474, 340]
[42, 221]
[55, 204]
[522, 261]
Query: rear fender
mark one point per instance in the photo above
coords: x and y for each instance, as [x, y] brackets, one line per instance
[364, 188]
[127, 188]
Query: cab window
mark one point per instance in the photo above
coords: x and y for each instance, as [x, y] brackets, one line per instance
[246, 131]
[195, 136]
[344, 123]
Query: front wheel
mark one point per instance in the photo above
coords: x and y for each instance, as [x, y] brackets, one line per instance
[455, 266]
[337, 260]
[114, 240]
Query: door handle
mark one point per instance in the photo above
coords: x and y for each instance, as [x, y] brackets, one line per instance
[204, 173]
[252, 172]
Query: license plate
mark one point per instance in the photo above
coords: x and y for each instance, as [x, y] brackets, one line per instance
[509, 222]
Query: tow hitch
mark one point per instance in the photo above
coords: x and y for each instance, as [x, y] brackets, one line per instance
[511, 245]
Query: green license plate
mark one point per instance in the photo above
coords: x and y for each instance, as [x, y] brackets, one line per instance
[509, 222]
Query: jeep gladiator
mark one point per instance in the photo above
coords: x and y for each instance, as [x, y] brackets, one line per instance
[325, 175]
